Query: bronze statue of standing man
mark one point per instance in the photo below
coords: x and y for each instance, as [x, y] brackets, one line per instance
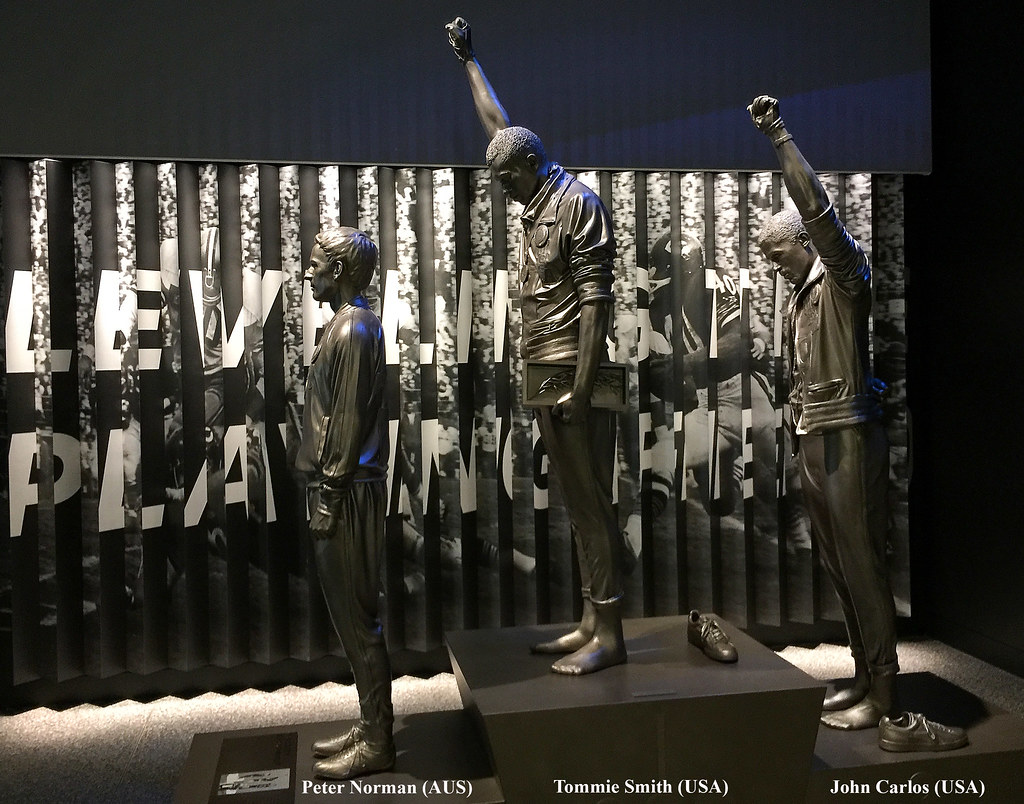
[837, 412]
[344, 447]
[565, 274]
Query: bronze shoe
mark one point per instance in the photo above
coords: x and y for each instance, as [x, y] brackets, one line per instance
[914, 732]
[356, 760]
[705, 633]
[337, 744]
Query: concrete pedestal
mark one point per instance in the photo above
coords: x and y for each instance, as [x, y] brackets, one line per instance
[669, 721]
[850, 763]
[440, 758]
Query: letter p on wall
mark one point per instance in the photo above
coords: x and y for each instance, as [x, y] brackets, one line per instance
[23, 465]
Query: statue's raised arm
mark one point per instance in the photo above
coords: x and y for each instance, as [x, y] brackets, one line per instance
[837, 421]
[488, 108]
[566, 281]
[803, 184]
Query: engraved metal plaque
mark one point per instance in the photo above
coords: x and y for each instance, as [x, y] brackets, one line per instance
[545, 382]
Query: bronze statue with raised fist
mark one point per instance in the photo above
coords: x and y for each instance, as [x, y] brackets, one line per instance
[566, 257]
[837, 413]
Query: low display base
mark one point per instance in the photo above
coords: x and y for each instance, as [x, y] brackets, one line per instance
[669, 721]
[850, 763]
[439, 757]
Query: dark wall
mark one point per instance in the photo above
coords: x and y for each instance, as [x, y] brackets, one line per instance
[648, 84]
[965, 284]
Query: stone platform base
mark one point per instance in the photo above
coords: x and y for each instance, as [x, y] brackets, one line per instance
[440, 758]
[669, 721]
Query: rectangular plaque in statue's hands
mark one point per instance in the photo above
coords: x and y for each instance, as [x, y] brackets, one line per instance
[546, 382]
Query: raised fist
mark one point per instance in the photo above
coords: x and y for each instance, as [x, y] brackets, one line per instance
[460, 37]
[764, 111]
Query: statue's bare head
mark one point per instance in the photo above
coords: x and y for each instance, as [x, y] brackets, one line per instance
[514, 142]
[784, 240]
[516, 157]
[353, 249]
[782, 227]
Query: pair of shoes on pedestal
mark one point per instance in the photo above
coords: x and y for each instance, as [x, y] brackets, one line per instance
[914, 732]
[349, 755]
[705, 633]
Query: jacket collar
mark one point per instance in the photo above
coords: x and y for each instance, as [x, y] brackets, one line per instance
[815, 275]
[552, 185]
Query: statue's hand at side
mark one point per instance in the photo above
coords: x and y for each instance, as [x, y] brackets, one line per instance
[324, 519]
[460, 37]
[322, 523]
[764, 111]
[572, 408]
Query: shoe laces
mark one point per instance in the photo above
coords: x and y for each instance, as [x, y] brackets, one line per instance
[712, 633]
[920, 721]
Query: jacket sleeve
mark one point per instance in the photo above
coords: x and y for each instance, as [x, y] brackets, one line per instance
[841, 255]
[352, 351]
[591, 249]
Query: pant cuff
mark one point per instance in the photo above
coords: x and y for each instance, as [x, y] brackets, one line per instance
[888, 669]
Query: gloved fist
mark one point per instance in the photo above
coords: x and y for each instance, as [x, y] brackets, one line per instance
[764, 111]
[324, 519]
[460, 37]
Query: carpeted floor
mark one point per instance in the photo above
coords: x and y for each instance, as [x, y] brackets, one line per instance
[133, 752]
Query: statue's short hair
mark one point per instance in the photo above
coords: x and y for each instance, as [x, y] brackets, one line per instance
[356, 251]
[514, 142]
[782, 227]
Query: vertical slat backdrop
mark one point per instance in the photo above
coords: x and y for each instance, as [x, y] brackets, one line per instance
[283, 500]
[157, 335]
[25, 509]
[67, 475]
[108, 342]
[505, 289]
[149, 588]
[885, 194]
[246, 459]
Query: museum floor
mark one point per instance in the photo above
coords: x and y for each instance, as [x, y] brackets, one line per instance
[134, 752]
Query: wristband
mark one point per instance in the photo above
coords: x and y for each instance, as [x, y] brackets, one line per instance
[330, 500]
[779, 135]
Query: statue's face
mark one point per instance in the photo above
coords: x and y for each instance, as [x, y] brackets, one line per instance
[320, 275]
[791, 259]
[519, 178]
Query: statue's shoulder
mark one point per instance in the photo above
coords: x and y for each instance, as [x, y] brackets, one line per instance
[353, 320]
[576, 192]
[364, 323]
[572, 187]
